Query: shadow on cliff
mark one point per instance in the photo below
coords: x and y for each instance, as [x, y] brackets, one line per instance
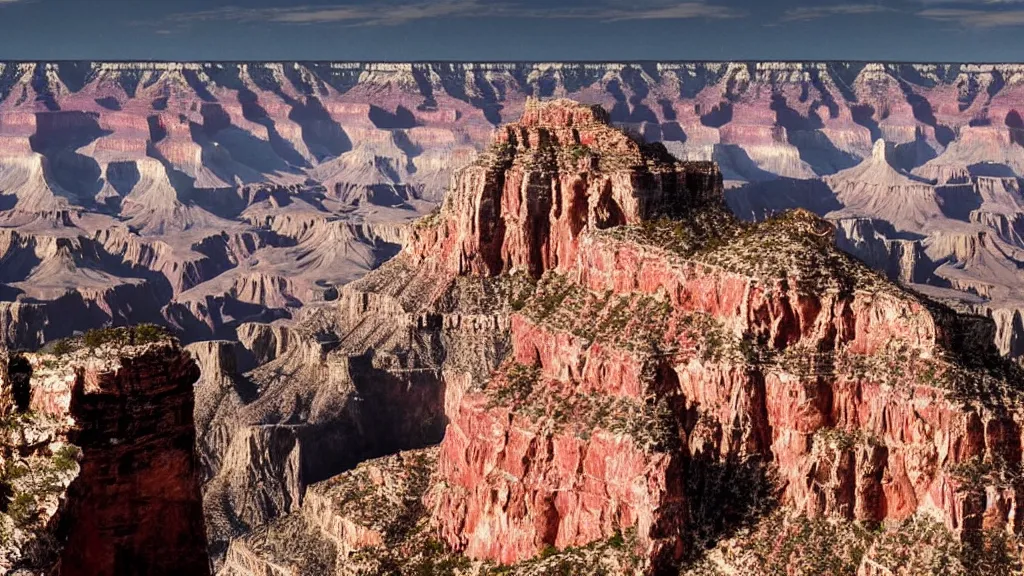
[758, 201]
[804, 133]
[390, 410]
[736, 164]
[267, 157]
[323, 136]
[58, 137]
[958, 202]
[454, 83]
[910, 155]
[864, 114]
[725, 496]
[19, 373]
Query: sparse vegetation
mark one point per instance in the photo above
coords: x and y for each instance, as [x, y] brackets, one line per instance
[124, 336]
[23, 509]
[578, 152]
[516, 387]
[429, 220]
[32, 481]
[798, 246]
[65, 459]
[842, 440]
[786, 543]
[650, 423]
[64, 347]
[684, 234]
[615, 556]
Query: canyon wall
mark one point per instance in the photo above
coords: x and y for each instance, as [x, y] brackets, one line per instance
[208, 195]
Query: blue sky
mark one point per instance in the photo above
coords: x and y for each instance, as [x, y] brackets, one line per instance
[403, 30]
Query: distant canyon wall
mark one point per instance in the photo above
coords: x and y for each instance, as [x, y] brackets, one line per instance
[164, 161]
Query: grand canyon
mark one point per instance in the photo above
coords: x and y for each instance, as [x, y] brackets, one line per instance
[580, 318]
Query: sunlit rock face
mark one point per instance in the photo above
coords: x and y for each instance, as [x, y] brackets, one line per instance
[627, 373]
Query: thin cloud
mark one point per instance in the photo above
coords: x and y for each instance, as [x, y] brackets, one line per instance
[392, 14]
[373, 15]
[684, 11]
[817, 12]
[975, 18]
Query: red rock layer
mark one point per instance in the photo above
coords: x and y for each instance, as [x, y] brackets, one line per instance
[561, 171]
[513, 485]
[763, 343]
[136, 507]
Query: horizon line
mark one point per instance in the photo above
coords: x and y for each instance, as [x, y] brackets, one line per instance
[504, 62]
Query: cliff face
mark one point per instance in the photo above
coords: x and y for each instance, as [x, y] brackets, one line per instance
[631, 375]
[549, 177]
[515, 484]
[681, 344]
[117, 406]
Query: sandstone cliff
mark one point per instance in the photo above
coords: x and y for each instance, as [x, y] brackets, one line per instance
[629, 370]
[100, 474]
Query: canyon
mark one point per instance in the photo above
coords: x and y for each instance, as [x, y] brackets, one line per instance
[202, 196]
[444, 327]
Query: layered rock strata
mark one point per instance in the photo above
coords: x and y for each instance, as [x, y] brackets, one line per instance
[625, 364]
[319, 166]
[671, 346]
[112, 412]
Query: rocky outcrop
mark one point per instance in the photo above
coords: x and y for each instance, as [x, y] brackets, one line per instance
[372, 520]
[353, 381]
[667, 349]
[122, 492]
[875, 189]
[628, 365]
[135, 454]
[555, 174]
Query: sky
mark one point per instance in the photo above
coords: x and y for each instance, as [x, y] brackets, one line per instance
[506, 30]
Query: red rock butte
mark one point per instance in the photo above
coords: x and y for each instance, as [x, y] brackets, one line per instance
[560, 171]
[665, 339]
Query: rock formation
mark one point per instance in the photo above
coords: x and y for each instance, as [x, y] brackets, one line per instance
[876, 190]
[100, 473]
[630, 375]
[183, 193]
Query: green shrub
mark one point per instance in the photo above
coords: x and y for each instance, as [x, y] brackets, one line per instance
[23, 509]
[579, 151]
[13, 470]
[146, 333]
[66, 458]
[517, 386]
[64, 347]
[124, 336]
